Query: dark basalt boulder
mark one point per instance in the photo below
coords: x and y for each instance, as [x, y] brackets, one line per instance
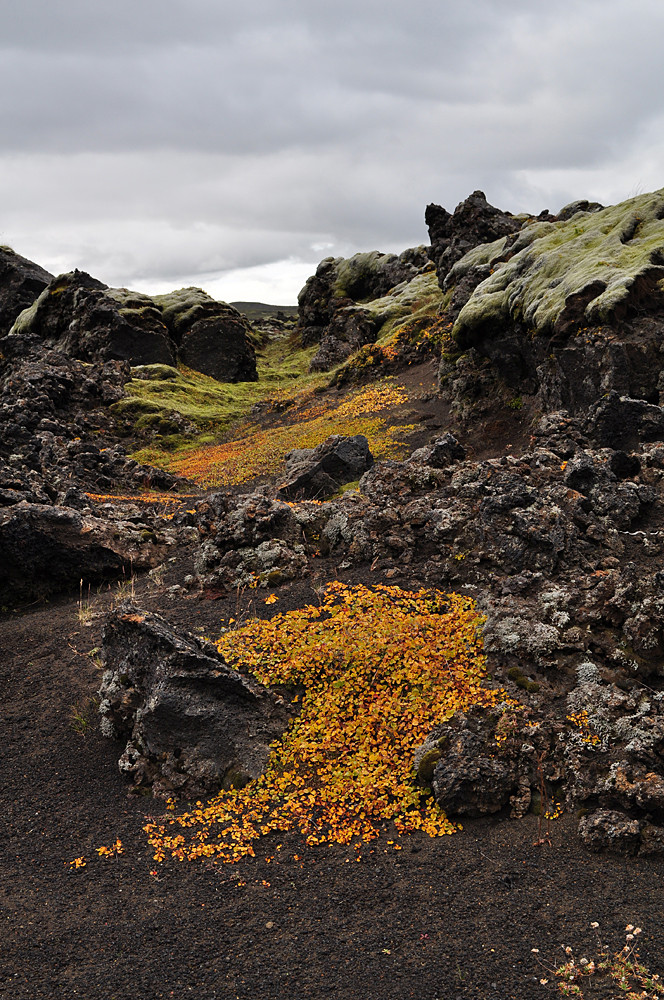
[348, 331]
[191, 723]
[44, 548]
[82, 317]
[89, 321]
[444, 451]
[612, 831]
[318, 472]
[209, 336]
[468, 777]
[21, 281]
[474, 221]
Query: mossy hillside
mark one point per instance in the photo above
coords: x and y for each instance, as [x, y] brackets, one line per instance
[583, 269]
[405, 310]
[411, 300]
[256, 451]
[159, 391]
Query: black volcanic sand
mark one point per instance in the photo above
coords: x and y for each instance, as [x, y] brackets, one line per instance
[447, 918]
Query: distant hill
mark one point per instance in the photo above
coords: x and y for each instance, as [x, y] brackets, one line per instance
[260, 310]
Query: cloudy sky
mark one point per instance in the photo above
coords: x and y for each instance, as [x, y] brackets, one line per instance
[232, 145]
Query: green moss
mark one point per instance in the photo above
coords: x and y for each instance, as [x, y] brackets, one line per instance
[346, 488]
[156, 373]
[25, 320]
[211, 406]
[522, 681]
[181, 308]
[587, 264]
[427, 766]
[356, 275]
[418, 298]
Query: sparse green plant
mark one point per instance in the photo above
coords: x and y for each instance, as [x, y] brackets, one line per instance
[157, 574]
[621, 970]
[85, 612]
[95, 656]
[125, 586]
[82, 715]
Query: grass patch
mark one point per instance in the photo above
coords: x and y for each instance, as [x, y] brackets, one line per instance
[158, 391]
[257, 452]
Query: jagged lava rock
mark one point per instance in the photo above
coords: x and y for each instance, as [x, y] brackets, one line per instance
[55, 429]
[45, 548]
[468, 777]
[80, 316]
[21, 281]
[443, 452]
[318, 472]
[192, 724]
[89, 321]
[473, 222]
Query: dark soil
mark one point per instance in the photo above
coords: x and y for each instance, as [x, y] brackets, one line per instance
[448, 918]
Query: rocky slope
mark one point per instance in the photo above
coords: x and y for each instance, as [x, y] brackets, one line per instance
[552, 352]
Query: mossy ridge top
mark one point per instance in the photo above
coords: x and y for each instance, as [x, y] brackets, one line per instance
[421, 296]
[595, 254]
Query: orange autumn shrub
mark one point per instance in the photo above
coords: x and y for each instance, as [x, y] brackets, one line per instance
[261, 452]
[379, 668]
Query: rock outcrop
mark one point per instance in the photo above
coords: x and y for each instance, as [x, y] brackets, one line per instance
[209, 336]
[21, 281]
[473, 222]
[89, 321]
[314, 473]
[191, 724]
[46, 548]
[551, 277]
[349, 303]
[56, 434]
[81, 317]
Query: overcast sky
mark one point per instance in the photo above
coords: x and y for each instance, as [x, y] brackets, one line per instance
[232, 145]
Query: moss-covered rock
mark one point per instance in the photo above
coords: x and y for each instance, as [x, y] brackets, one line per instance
[586, 269]
[90, 321]
[21, 281]
[84, 318]
[211, 337]
[349, 304]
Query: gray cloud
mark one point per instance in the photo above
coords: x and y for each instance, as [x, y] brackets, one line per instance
[162, 141]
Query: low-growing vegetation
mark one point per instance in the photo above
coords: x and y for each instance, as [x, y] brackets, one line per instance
[258, 452]
[375, 670]
[158, 394]
[614, 973]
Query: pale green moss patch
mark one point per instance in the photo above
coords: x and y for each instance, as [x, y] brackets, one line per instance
[582, 269]
[159, 391]
[410, 300]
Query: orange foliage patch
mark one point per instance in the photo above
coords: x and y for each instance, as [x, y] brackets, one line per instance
[146, 498]
[261, 452]
[380, 668]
